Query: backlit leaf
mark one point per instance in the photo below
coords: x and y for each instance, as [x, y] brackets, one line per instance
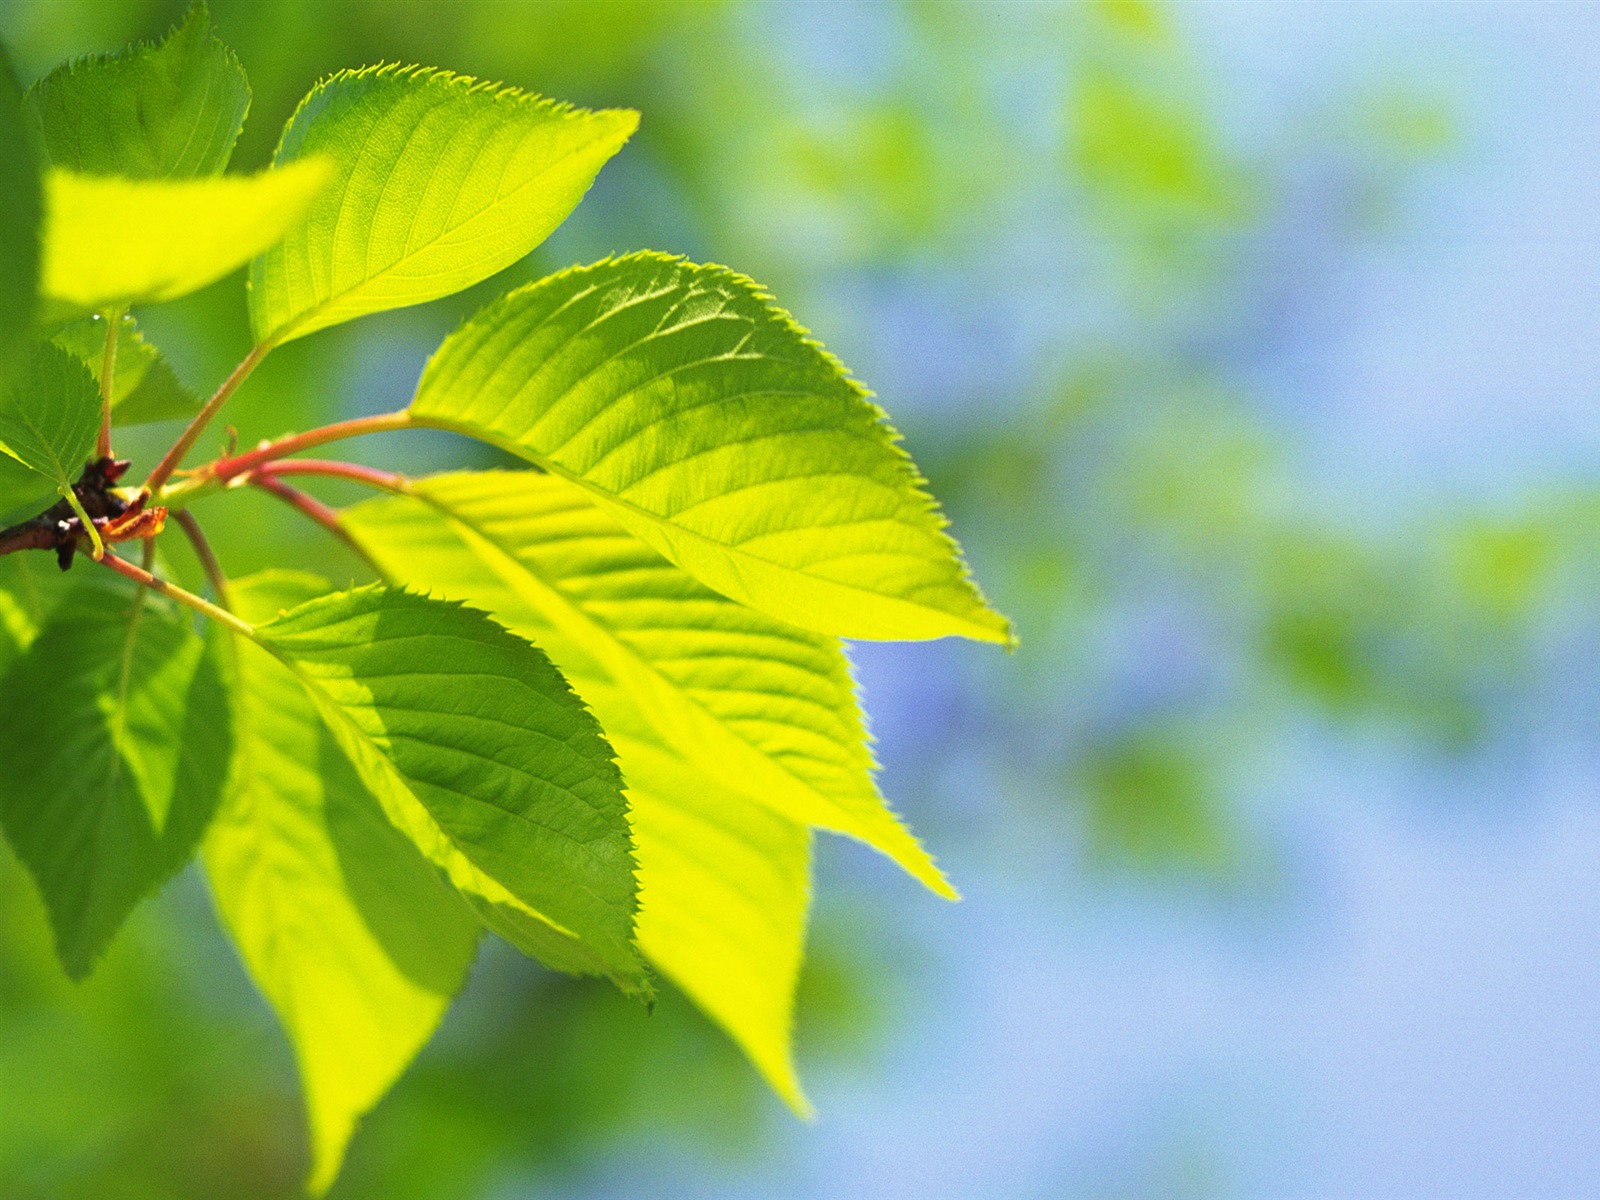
[478, 750]
[166, 110]
[347, 929]
[111, 242]
[116, 740]
[144, 387]
[698, 414]
[442, 181]
[734, 731]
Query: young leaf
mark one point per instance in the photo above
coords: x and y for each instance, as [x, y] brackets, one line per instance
[442, 181]
[112, 242]
[760, 707]
[168, 110]
[21, 206]
[115, 741]
[144, 387]
[346, 928]
[49, 416]
[478, 750]
[701, 417]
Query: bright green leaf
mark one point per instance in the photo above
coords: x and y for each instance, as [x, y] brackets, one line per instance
[21, 206]
[758, 706]
[167, 110]
[49, 417]
[442, 181]
[479, 751]
[734, 731]
[113, 242]
[115, 741]
[703, 419]
[144, 387]
[345, 927]
[25, 603]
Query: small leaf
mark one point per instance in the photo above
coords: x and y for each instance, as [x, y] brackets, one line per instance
[478, 750]
[144, 387]
[49, 417]
[442, 181]
[350, 933]
[113, 242]
[115, 741]
[21, 209]
[703, 419]
[168, 110]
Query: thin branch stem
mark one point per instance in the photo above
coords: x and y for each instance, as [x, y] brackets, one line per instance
[70, 495]
[319, 512]
[208, 560]
[108, 374]
[230, 468]
[373, 477]
[173, 592]
[174, 457]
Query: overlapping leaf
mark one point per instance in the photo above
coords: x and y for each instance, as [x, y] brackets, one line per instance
[49, 416]
[479, 752]
[112, 242]
[343, 924]
[706, 422]
[116, 742]
[144, 387]
[168, 110]
[735, 731]
[442, 181]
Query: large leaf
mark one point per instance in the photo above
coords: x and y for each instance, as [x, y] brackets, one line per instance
[49, 417]
[345, 927]
[26, 601]
[112, 242]
[144, 387]
[21, 206]
[443, 180]
[709, 425]
[734, 730]
[758, 706]
[479, 751]
[116, 740]
[167, 110]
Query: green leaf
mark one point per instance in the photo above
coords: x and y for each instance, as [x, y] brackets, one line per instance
[144, 387]
[345, 927]
[702, 418]
[116, 741]
[49, 418]
[112, 242]
[168, 110]
[442, 181]
[21, 209]
[25, 603]
[479, 751]
[734, 731]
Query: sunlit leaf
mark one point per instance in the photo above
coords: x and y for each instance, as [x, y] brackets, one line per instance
[164, 110]
[346, 928]
[144, 387]
[478, 750]
[734, 731]
[702, 418]
[112, 242]
[49, 416]
[115, 741]
[442, 181]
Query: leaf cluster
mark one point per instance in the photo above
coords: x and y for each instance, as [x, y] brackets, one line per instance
[596, 706]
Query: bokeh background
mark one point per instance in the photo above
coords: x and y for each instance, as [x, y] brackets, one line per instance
[1253, 349]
